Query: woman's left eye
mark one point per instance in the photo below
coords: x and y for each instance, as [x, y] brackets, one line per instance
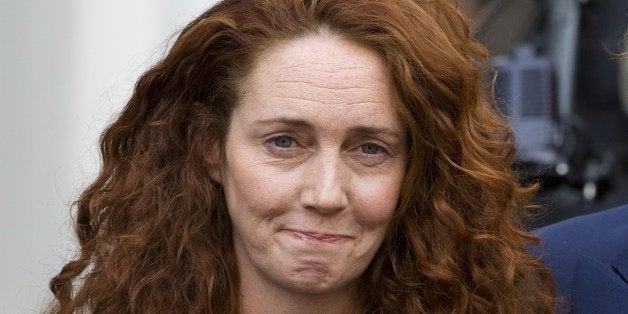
[371, 149]
[282, 141]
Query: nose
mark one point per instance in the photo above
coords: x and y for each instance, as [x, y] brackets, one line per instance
[325, 184]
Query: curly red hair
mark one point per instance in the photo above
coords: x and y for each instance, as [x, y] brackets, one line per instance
[153, 228]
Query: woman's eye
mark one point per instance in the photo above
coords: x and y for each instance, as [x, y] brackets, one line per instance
[371, 149]
[282, 141]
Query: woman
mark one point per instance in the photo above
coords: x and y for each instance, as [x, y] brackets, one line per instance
[314, 156]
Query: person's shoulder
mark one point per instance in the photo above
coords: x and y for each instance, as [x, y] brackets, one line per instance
[597, 234]
[588, 257]
[595, 221]
[615, 215]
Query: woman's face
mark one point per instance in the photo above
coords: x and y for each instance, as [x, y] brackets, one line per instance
[315, 158]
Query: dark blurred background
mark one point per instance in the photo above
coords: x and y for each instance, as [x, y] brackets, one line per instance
[565, 93]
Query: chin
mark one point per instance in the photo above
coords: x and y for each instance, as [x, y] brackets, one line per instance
[311, 284]
[314, 277]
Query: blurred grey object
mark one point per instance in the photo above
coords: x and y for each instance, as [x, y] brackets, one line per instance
[524, 94]
[563, 93]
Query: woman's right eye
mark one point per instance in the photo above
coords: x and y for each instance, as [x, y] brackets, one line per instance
[284, 146]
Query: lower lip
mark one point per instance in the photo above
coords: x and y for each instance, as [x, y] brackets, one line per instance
[317, 238]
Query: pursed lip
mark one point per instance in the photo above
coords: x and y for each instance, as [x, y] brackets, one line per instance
[317, 236]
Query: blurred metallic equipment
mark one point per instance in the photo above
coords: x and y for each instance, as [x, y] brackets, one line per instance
[535, 89]
[524, 93]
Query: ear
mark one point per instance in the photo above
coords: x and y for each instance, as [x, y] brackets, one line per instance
[214, 163]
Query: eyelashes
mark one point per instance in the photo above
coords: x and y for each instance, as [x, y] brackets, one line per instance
[285, 146]
[371, 148]
[283, 141]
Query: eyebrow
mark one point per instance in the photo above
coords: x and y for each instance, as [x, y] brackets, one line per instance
[302, 124]
[296, 123]
[372, 131]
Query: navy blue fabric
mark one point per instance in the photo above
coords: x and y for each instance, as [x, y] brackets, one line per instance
[588, 256]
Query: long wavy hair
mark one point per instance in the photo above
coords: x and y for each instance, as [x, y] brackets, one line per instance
[154, 232]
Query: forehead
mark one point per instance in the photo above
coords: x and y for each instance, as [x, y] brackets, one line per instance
[326, 56]
[320, 75]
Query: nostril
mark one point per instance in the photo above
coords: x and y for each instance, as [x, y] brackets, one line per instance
[325, 210]
[325, 201]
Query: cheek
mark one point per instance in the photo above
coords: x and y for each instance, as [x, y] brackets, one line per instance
[257, 189]
[377, 200]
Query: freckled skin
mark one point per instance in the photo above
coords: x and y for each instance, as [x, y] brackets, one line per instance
[314, 146]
